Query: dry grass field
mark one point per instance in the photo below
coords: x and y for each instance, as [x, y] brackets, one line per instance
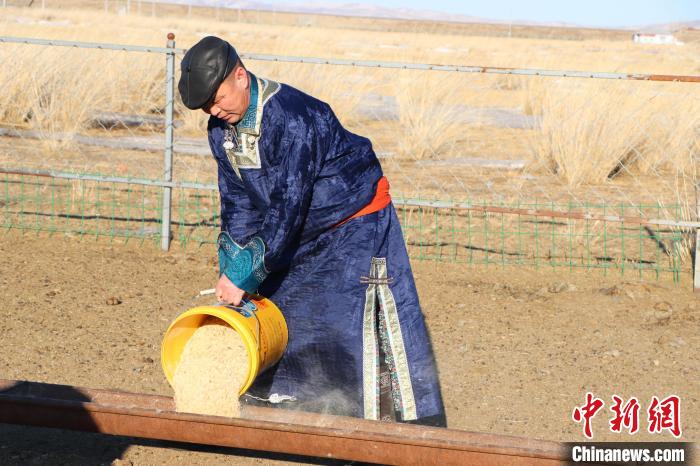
[574, 134]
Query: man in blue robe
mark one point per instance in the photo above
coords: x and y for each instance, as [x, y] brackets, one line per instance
[307, 222]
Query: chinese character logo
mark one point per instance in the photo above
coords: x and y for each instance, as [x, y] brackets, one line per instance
[586, 413]
[665, 415]
[662, 415]
[626, 416]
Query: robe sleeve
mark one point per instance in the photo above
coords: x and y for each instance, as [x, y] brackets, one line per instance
[290, 197]
[240, 220]
[271, 248]
[239, 217]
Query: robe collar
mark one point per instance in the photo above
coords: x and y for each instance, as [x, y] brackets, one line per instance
[250, 123]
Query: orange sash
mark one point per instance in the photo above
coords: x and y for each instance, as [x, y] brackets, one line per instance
[381, 199]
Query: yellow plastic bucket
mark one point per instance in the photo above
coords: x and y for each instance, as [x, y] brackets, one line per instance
[257, 320]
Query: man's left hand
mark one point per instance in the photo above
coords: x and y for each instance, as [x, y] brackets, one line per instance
[227, 292]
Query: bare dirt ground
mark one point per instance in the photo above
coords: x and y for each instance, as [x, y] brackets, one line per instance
[517, 349]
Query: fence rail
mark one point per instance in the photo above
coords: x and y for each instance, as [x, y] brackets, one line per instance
[460, 206]
[89, 45]
[375, 63]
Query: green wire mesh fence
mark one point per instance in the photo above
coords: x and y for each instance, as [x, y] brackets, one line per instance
[80, 207]
[515, 237]
[505, 234]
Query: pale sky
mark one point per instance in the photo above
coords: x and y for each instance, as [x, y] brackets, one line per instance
[603, 13]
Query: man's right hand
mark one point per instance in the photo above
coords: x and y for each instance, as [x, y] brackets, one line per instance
[227, 292]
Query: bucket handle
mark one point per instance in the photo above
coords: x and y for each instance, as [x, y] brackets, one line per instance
[237, 308]
[257, 321]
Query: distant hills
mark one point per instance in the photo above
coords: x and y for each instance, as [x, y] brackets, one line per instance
[670, 27]
[372, 11]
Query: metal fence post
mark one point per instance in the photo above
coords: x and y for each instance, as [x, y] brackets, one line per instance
[696, 257]
[168, 165]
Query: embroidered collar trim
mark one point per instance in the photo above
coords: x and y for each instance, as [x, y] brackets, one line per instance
[261, 90]
[250, 123]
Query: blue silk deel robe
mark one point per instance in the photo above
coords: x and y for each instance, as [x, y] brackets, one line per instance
[288, 174]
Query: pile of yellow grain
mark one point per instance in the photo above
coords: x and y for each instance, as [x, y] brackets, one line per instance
[211, 371]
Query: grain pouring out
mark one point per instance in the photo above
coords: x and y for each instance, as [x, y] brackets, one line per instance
[213, 365]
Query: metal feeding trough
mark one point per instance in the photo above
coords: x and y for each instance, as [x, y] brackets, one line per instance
[265, 429]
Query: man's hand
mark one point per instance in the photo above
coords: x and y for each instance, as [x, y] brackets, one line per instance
[227, 292]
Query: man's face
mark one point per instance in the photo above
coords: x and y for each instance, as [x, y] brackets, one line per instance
[232, 98]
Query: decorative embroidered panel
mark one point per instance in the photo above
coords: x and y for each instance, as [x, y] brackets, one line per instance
[380, 303]
[244, 152]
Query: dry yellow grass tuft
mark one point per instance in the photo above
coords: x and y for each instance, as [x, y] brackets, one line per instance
[429, 121]
[594, 130]
[56, 91]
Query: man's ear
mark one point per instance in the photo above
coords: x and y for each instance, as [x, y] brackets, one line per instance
[241, 76]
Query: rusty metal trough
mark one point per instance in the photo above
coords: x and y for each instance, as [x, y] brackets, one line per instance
[264, 429]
